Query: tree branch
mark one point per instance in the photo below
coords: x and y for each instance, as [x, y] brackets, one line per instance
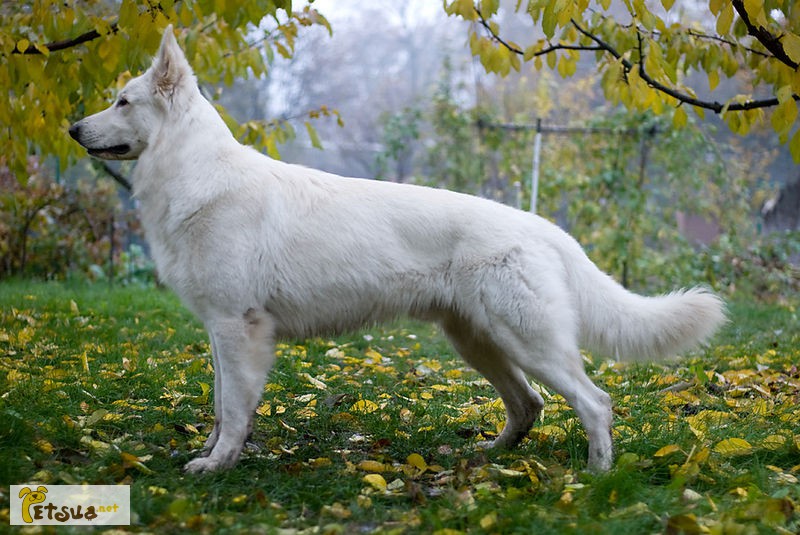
[55, 46]
[717, 107]
[542, 52]
[770, 42]
[732, 44]
[692, 33]
[118, 178]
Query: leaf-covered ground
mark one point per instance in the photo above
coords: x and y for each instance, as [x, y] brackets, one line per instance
[378, 431]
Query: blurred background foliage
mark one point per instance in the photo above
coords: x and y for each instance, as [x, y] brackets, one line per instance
[659, 197]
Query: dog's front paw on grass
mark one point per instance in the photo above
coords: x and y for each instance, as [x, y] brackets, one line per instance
[204, 465]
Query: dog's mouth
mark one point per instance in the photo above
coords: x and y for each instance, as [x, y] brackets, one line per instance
[112, 152]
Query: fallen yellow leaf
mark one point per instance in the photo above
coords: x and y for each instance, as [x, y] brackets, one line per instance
[306, 412]
[376, 481]
[316, 383]
[319, 462]
[733, 446]
[44, 446]
[667, 450]
[374, 355]
[416, 460]
[371, 466]
[551, 431]
[773, 442]
[364, 406]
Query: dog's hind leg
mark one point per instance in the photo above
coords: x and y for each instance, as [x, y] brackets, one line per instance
[523, 404]
[533, 323]
[244, 355]
[550, 357]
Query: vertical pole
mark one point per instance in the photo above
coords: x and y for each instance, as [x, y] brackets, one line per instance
[537, 150]
[111, 251]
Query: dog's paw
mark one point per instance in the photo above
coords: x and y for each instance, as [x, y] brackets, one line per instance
[202, 465]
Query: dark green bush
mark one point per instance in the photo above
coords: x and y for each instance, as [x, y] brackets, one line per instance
[49, 230]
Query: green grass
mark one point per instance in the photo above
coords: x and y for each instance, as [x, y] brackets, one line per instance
[111, 385]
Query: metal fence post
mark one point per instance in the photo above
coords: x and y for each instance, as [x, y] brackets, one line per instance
[537, 150]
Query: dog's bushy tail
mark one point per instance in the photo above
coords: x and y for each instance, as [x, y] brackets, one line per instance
[621, 324]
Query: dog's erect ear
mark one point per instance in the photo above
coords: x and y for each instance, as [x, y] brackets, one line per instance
[170, 68]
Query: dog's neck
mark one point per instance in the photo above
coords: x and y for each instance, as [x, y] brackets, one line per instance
[193, 126]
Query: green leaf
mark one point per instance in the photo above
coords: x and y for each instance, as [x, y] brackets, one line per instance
[549, 20]
[679, 119]
[783, 116]
[463, 8]
[489, 7]
[128, 14]
[791, 45]
[794, 147]
[713, 79]
[754, 8]
[531, 51]
[725, 19]
[566, 67]
[784, 94]
[312, 135]
[716, 5]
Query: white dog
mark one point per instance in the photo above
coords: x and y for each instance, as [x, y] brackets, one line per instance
[260, 250]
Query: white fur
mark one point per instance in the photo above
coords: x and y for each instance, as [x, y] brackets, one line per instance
[261, 249]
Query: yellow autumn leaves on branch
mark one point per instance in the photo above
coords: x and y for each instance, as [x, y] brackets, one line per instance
[645, 56]
[62, 60]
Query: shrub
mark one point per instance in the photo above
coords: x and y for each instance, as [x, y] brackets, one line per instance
[50, 230]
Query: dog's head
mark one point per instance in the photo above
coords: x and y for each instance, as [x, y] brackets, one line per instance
[123, 130]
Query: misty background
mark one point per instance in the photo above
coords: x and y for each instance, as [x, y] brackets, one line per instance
[385, 56]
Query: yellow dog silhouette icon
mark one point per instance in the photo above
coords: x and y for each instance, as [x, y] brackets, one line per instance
[31, 497]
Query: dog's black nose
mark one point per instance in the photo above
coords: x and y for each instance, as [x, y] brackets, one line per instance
[75, 130]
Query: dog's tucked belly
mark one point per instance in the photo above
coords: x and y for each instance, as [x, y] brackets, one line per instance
[339, 310]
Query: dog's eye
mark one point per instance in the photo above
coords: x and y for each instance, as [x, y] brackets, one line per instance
[121, 102]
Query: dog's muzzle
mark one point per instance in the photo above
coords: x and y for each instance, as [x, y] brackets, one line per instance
[100, 152]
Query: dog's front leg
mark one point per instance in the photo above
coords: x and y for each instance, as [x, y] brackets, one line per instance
[214, 436]
[244, 354]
